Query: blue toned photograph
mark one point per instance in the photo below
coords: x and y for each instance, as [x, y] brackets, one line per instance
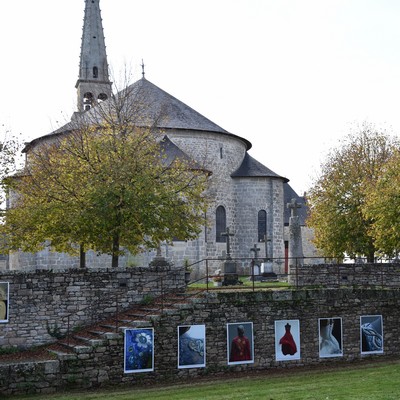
[191, 346]
[371, 332]
[139, 350]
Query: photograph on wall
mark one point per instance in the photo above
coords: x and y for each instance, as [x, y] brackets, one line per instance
[191, 346]
[4, 301]
[371, 332]
[240, 343]
[139, 350]
[287, 340]
[330, 337]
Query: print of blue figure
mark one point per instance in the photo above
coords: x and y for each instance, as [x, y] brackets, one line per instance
[138, 350]
[191, 346]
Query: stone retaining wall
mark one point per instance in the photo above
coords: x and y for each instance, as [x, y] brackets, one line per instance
[44, 299]
[341, 275]
[102, 365]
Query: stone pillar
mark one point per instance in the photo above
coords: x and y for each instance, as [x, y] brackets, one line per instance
[296, 256]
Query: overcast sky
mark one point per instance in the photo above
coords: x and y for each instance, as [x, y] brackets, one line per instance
[291, 76]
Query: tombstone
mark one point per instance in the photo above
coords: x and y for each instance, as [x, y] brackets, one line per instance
[296, 256]
[229, 267]
[255, 265]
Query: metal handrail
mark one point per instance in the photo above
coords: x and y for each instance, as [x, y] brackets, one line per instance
[164, 292]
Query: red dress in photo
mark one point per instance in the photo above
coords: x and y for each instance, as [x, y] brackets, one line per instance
[287, 342]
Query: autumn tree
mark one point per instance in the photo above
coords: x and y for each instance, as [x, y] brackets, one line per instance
[109, 184]
[10, 146]
[337, 197]
[382, 208]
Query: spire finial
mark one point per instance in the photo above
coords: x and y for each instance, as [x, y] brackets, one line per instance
[142, 68]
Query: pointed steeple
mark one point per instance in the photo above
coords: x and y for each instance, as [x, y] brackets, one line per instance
[93, 84]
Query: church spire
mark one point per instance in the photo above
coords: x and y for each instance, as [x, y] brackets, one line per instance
[93, 84]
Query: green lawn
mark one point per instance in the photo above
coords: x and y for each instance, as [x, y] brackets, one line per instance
[379, 381]
[245, 284]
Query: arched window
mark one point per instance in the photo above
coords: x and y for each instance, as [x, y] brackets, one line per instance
[262, 225]
[101, 97]
[95, 72]
[220, 220]
[87, 100]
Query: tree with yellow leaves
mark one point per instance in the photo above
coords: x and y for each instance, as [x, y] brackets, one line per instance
[107, 185]
[338, 197]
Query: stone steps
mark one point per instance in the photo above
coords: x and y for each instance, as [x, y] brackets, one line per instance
[80, 344]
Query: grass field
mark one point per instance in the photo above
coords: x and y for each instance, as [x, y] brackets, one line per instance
[378, 381]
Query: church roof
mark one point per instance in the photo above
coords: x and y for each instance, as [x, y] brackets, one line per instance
[169, 111]
[251, 168]
[157, 107]
[172, 152]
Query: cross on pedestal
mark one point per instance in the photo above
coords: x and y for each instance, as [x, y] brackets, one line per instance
[256, 250]
[227, 234]
[293, 205]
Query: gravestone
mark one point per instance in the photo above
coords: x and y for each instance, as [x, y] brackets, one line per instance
[255, 264]
[229, 267]
[159, 260]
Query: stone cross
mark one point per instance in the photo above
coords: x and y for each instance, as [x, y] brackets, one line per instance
[296, 256]
[227, 234]
[293, 205]
[158, 251]
[256, 250]
[267, 246]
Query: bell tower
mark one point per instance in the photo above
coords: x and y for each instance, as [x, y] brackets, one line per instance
[93, 84]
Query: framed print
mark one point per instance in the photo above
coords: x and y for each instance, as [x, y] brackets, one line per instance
[287, 340]
[371, 334]
[4, 301]
[240, 343]
[330, 337]
[191, 346]
[139, 350]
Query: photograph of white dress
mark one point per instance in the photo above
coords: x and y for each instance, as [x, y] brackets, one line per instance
[330, 337]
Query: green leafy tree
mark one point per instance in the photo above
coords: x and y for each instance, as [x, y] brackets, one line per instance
[107, 185]
[337, 197]
[382, 208]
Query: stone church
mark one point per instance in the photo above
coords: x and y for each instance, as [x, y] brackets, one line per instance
[247, 198]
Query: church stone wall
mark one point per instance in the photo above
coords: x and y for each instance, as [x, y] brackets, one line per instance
[242, 198]
[103, 365]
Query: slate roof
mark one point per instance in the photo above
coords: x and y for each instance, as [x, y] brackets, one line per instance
[251, 168]
[172, 152]
[288, 195]
[156, 107]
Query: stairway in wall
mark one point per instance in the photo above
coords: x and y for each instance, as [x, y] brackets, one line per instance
[139, 316]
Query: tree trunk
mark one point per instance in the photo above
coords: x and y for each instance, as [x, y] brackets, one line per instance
[115, 251]
[82, 256]
[371, 253]
[371, 257]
